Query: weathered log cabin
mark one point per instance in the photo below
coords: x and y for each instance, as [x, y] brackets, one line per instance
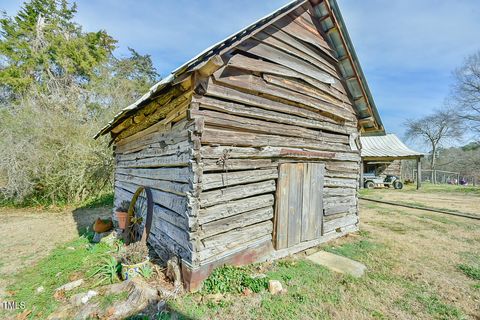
[252, 147]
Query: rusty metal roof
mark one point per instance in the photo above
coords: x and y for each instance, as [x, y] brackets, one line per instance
[387, 146]
[333, 25]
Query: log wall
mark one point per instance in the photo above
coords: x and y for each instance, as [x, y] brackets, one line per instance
[164, 158]
[278, 98]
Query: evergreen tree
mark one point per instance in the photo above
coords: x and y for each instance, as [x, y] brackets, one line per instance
[43, 47]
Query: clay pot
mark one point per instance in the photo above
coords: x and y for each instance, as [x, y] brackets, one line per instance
[102, 226]
[122, 219]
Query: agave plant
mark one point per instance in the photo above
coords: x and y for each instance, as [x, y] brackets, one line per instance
[108, 271]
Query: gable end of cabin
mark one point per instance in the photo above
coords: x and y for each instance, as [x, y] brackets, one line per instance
[253, 155]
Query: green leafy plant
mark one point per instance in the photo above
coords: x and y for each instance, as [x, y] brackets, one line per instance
[470, 271]
[229, 279]
[146, 271]
[108, 271]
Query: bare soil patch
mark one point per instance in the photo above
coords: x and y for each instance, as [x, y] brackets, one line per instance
[27, 235]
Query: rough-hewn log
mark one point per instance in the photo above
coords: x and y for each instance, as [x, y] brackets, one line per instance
[183, 174]
[237, 236]
[341, 183]
[231, 122]
[159, 114]
[235, 222]
[214, 197]
[151, 152]
[247, 139]
[164, 214]
[273, 54]
[164, 185]
[218, 90]
[276, 43]
[271, 116]
[233, 208]
[210, 255]
[229, 165]
[174, 202]
[240, 61]
[179, 235]
[180, 159]
[177, 134]
[310, 91]
[341, 222]
[252, 84]
[220, 180]
[216, 152]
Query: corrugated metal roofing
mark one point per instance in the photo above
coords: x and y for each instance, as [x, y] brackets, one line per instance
[215, 49]
[387, 146]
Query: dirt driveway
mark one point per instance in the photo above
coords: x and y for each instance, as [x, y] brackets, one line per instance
[27, 235]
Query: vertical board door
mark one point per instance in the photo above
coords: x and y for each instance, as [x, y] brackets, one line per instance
[299, 203]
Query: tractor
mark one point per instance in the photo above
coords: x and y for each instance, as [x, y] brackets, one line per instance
[370, 181]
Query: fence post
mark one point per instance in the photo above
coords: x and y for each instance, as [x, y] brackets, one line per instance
[419, 173]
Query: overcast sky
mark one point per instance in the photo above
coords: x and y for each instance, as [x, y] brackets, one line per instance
[407, 48]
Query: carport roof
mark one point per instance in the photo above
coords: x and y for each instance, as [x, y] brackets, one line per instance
[386, 146]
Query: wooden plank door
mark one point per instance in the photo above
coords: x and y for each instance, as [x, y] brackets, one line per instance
[299, 203]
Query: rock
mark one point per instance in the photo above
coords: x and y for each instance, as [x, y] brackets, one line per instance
[71, 285]
[90, 294]
[173, 272]
[40, 289]
[82, 298]
[71, 248]
[275, 287]
[338, 263]
[247, 292]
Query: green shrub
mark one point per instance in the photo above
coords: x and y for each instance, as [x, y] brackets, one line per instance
[229, 279]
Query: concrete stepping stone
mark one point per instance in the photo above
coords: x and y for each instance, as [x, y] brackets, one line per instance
[338, 263]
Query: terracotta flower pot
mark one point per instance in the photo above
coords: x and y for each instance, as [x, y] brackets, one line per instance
[122, 219]
[102, 226]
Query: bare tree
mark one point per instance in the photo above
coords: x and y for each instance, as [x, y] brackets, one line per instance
[435, 130]
[466, 91]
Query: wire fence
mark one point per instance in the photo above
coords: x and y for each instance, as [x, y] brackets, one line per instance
[443, 177]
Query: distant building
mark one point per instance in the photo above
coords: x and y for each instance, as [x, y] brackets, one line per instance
[383, 155]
